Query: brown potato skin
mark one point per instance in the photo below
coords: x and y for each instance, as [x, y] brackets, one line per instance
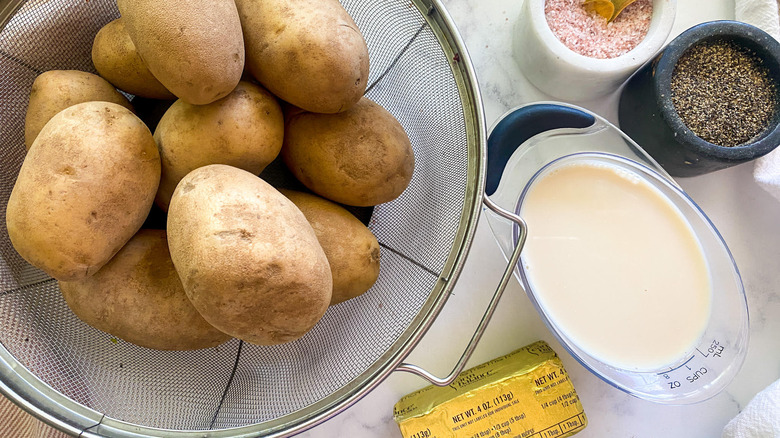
[248, 259]
[138, 297]
[360, 157]
[116, 60]
[84, 189]
[307, 52]
[55, 90]
[243, 129]
[351, 248]
[193, 47]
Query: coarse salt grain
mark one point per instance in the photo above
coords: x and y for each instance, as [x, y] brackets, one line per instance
[589, 34]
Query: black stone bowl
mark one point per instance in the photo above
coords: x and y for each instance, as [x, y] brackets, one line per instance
[647, 114]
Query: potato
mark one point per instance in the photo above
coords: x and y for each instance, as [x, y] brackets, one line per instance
[138, 297]
[193, 47]
[243, 129]
[249, 261]
[360, 157]
[84, 189]
[116, 60]
[55, 90]
[310, 53]
[351, 248]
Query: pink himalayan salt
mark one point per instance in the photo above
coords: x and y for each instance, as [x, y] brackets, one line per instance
[589, 34]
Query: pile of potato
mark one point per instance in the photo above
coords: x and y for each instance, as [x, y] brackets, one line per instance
[253, 79]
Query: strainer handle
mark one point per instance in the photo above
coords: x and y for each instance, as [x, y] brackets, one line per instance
[444, 381]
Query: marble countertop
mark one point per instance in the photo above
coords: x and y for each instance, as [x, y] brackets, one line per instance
[746, 216]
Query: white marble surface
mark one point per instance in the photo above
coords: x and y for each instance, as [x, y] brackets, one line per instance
[747, 217]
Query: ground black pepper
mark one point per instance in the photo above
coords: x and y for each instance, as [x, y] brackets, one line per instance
[723, 92]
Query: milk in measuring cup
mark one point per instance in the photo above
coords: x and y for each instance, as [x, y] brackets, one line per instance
[615, 266]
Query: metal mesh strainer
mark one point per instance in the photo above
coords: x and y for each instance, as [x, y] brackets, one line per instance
[83, 381]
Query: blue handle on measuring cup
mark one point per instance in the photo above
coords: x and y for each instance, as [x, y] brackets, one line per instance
[520, 125]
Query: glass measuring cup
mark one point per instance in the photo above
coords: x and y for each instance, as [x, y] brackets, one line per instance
[532, 139]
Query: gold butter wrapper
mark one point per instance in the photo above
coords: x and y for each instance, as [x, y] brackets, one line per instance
[525, 394]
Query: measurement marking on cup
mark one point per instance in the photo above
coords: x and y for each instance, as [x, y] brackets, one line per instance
[715, 349]
[685, 364]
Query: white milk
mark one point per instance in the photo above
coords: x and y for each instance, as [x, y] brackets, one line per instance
[615, 266]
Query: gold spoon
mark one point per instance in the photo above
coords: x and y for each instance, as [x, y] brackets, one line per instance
[608, 9]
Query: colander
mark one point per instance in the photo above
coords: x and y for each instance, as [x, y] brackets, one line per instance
[86, 383]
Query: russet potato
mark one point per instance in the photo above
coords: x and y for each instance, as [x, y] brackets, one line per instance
[351, 248]
[84, 189]
[309, 53]
[248, 259]
[55, 90]
[138, 297]
[116, 59]
[243, 129]
[360, 157]
[193, 47]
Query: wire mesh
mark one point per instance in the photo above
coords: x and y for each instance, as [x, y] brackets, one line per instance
[238, 384]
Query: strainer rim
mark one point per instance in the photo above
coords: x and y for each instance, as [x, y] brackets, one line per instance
[39, 399]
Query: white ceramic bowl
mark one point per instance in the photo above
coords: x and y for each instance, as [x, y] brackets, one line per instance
[564, 74]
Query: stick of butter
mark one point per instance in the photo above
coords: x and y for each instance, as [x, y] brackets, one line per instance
[525, 394]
